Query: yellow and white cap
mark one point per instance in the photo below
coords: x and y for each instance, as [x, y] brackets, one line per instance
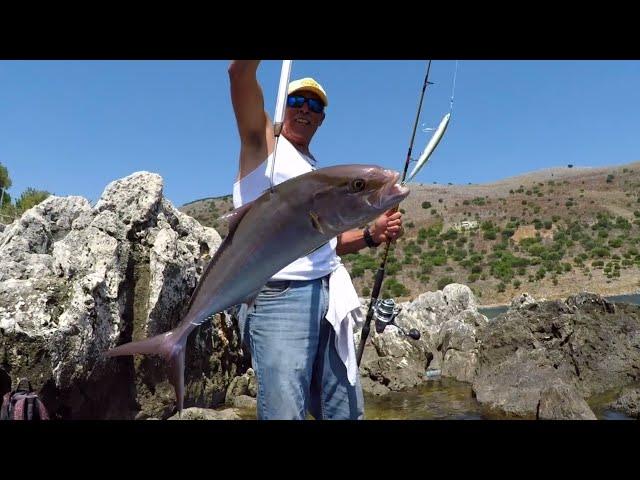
[308, 84]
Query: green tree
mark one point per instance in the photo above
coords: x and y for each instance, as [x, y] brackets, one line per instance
[30, 198]
[5, 184]
[5, 180]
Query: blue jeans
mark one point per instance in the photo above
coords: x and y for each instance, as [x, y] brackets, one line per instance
[293, 353]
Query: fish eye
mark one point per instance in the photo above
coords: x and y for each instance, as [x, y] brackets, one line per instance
[357, 185]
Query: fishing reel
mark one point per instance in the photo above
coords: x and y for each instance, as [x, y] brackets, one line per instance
[385, 312]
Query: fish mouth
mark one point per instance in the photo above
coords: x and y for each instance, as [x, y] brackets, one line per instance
[392, 193]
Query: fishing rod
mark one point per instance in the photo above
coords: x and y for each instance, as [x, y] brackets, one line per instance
[386, 311]
[278, 117]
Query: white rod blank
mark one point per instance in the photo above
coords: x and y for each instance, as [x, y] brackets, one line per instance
[285, 74]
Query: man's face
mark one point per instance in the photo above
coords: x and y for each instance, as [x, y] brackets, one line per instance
[301, 123]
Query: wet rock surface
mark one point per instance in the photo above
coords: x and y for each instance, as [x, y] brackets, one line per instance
[585, 342]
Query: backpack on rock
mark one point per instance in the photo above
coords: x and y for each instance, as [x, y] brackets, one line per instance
[23, 404]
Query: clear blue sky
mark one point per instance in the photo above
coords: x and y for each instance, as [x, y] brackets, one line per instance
[71, 127]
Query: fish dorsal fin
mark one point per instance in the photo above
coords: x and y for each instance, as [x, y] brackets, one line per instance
[234, 217]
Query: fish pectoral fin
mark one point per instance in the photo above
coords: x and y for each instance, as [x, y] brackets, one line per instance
[315, 221]
[234, 217]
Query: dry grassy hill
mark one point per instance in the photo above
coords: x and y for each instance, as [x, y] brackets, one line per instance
[208, 210]
[550, 233]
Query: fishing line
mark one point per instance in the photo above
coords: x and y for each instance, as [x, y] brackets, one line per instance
[453, 89]
[380, 272]
[384, 310]
[437, 136]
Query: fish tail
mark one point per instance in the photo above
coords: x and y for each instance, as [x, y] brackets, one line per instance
[171, 347]
[176, 371]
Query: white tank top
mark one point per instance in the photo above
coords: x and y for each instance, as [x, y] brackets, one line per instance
[289, 163]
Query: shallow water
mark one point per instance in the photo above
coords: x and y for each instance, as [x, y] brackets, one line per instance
[599, 405]
[448, 399]
[493, 312]
[633, 299]
[441, 399]
[438, 399]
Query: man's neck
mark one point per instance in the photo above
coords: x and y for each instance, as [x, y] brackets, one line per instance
[300, 146]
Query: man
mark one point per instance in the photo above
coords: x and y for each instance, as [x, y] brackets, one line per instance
[299, 330]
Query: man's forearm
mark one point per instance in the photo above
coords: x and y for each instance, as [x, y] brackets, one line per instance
[350, 241]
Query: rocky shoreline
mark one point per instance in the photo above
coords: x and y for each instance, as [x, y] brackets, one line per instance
[76, 280]
[540, 360]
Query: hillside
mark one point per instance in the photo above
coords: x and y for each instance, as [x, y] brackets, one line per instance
[550, 233]
[208, 210]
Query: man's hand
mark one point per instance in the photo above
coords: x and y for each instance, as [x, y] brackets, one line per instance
[387, 226]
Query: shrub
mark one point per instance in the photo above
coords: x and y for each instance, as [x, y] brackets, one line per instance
[30, 198]
[444, 281]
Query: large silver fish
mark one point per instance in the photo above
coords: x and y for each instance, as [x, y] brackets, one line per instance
[297, 217]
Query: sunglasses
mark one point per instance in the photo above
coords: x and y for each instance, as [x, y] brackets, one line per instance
[296, 101]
